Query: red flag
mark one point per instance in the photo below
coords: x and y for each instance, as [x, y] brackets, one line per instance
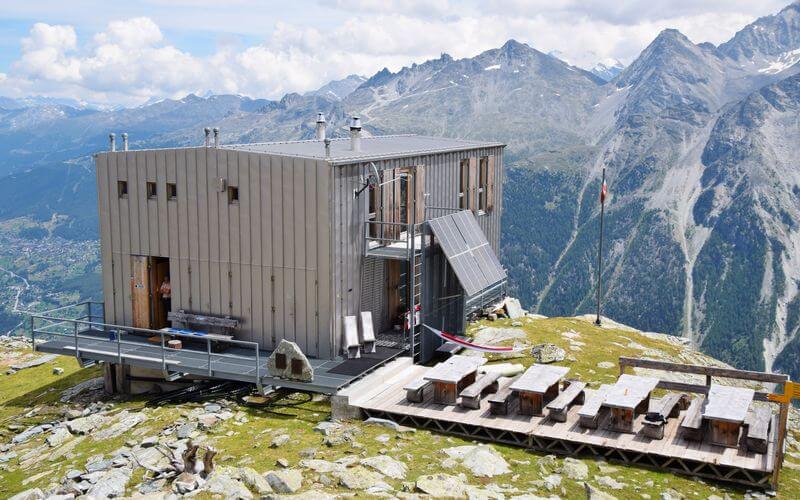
[603, 192]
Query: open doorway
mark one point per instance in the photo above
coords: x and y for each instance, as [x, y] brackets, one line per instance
[151, 291]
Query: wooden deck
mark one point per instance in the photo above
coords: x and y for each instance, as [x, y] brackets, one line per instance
[377, 397]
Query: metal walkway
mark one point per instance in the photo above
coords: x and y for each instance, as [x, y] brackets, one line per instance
[92, 341]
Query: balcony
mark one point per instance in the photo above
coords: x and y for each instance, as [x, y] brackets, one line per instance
[79, 330]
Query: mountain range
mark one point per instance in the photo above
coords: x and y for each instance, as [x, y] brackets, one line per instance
[698, 141]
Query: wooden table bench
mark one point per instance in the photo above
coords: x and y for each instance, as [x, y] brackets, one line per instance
[452, 376]
[573, 393]
[660, 410]
[537, 387]
[629, 396]
[471, 396]
[218, 341]
[415, 391]
[692, 425]
[725, 409]
[499, 401]
[757, 424]
[589, 414]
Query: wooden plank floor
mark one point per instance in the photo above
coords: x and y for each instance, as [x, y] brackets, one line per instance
[391, 398]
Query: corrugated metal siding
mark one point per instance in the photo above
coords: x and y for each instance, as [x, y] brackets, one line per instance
[441, 187]
[374, 293]
[271, 250]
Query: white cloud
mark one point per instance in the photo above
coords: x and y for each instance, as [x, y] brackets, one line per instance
[302, 46]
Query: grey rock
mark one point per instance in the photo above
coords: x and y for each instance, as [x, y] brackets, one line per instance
[279, 441]
[125, 422]
[85, 425]
[285, 481]
[31, 494]
[513, 308]
[547, 353]
[184, 483]
[326, 428]
[254, 480]
[388, 424]
[481, 460]
[111, 484]
[86, 385]
[609, 482]
[58, 437]
[222, 484]
[7, 457]
[575, 469]
[36, 362]
[282, 462]
[28, 434]
[186, 430]
[58, 371]
[387, 466]
[292, 352]
[441, 485]
[212, 408]
[358, 478]
[593, 493]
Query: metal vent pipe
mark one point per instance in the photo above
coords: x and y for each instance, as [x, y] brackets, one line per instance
[216, 137]
[320, 127]
[207, 131]
[124, 141]
[355, 134]
[112, 142]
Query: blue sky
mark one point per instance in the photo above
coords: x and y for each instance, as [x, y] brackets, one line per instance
[129, 52]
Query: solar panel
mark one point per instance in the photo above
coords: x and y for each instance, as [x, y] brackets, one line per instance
[468, 252]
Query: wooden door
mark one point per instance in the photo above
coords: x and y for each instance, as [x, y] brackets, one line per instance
[394, 269]
[414, 193]
[140, 291]
[159, 268]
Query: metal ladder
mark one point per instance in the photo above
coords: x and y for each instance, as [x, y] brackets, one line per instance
[411, 291]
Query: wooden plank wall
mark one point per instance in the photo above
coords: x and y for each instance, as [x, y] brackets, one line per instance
[349, 214]
[265, 260]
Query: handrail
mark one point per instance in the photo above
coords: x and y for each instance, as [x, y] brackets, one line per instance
[119, 330]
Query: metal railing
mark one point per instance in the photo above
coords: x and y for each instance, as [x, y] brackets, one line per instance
[385, 235]
[47, 324]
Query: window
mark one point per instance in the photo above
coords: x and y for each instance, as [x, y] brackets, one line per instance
[172, 190]
[373, 208]
[233, 195]
[122, 189]
[151, 190]
[483, 184]
[463, 190]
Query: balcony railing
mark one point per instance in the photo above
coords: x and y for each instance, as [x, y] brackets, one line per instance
[399, 238]
[115, 340]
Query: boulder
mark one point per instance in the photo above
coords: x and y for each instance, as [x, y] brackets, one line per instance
[110, 484]
[125, 422]
[358, 478]
[31, 494]
[85, 425]
[387, 466]
[285, 481]
[36, 362]
[322, 466]
[279, 441]
[184, 483]
[223, 484]
[513, 308]
[593, 493]
[441, 485]
[86, 385]
[388, 424]
[254, 480]
[609, 482]
[605, 364]
[291, 355]
[482, 460]
[58, 437]
[575, 469]
[547, 353]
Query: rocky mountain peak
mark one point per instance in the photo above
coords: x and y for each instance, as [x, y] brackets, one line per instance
[767, 38]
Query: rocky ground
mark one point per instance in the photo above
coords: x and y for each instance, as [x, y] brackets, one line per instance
[62, 437]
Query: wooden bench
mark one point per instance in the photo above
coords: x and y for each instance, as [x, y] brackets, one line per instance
[573, 393]
[692, 424]
[498, 402]
[757, 424]
[486, 383]
[589, 414]
[415, 391]
[660, 410]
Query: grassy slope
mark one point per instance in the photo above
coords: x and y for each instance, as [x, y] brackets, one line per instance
[247, 443]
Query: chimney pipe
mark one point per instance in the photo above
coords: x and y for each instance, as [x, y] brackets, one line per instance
[355, 134]
[327, 148]
[320, 127]
[207, 131]
[124, 141]
[216, 137]
[112, 142]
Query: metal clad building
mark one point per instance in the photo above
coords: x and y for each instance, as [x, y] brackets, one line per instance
[272, 234]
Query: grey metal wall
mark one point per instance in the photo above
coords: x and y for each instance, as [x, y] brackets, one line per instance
[265, 260]
[441, 188]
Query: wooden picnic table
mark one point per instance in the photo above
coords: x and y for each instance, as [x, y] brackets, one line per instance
[627, 397]
[537, 387]
[450, 377]
[726, 410]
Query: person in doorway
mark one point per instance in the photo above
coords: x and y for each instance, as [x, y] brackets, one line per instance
[166, 294]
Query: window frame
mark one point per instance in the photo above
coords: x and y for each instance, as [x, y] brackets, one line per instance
[151, 189]
[172, 191]
[122, 189]
[463, 184]
[233, 195]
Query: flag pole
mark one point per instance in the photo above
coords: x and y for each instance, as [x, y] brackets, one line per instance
[600, 246]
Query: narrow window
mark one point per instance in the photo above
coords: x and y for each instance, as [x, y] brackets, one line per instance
[172, 190]
[233, 195]
[372, 210]
[483, 184]
[151, 190]
[122, 189]
[463, 187]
